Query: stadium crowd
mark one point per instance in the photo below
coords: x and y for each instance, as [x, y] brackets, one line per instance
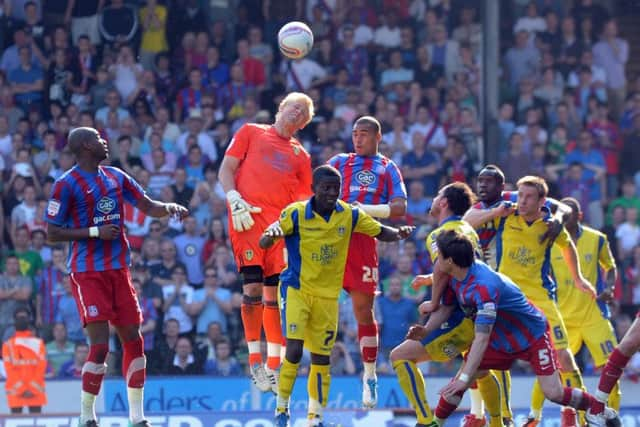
[168, 85]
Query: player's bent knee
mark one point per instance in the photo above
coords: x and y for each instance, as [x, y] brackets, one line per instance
[272, 281]
[251, 299]
[319, 359]
[252, 275]
[552, 391]
[402, 352]
[294, 350]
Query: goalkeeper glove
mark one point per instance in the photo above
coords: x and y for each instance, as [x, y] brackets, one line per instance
[241, 211]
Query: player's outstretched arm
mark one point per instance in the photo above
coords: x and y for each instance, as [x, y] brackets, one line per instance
[477, 217]
[270, 235]
[158, 209]
[63, 234]
[434, 322]
[474, 357]
[391, 234]
[570, 255]
[394, 209]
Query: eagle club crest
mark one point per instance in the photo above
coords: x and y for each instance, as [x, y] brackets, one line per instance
[248, 254]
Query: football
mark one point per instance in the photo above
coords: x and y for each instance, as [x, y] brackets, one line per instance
[295, 40]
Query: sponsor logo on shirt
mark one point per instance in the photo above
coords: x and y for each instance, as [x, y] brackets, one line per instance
[106, 205]
[325, 256]
[365, 178]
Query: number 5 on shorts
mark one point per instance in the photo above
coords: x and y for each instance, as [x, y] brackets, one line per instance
[543, 357]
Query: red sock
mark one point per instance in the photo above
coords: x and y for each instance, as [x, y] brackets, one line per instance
[251, 312]
[611, 373]
[445, 409]
[94, 368]
[272, 332]
[368, 339]
[576, 398]
[134, 363]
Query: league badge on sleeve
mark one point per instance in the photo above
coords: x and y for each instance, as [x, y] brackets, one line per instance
[53, 207]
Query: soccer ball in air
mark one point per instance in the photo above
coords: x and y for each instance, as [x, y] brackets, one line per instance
[295, 40]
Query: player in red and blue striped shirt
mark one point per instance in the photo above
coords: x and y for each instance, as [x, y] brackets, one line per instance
[507, 328]
[86, 209]
[374, 182]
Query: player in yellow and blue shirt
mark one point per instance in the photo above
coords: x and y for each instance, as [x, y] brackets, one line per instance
[441, 344]
[317, 233]
[587, 318]
[521, 256]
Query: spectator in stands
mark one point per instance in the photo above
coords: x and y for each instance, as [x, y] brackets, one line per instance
[469, 30]
[628, 234]
[153, 18]
[11, 56]
[73, 367]
[25, 212]
[189, 246]
[15, 289]
[418, 204]
[59, 350]
[178, 299]
[612, 53]
[303, 74]
[340, 360]
[396, 73]
[212, 303]
[422, 164]
[628, 199]
[351, 56]
[67, 312]
[224, 364]
[30, 260]
[195, 130]
[28, 81]
[118, 23]
[522, 59]
[445, 52]
[113, 104]
[49, 290]
[594, 165]
[126, 73]
[397, 313]
[184, 361]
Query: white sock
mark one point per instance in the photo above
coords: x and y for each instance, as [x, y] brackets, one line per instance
[136, 404]
[477, 404]
[87, 407]
[534, 413]
[369, 369]
[314, 408]
[282, 403]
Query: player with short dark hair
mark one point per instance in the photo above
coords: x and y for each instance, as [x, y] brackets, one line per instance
[86, 208]
[507, 328]
[373, 182]
[317, 234]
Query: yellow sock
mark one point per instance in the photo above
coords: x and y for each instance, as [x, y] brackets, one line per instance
[615, 396]
[412, 384]
[490, 390]
[537, 400]
[318, 388]
[288, 373]
[504, 379]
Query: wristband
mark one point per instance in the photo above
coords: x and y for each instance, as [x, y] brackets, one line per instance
[94, 232]
[464, 378]
[377, 211]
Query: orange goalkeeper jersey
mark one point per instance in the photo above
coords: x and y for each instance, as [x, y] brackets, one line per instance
[273, 171]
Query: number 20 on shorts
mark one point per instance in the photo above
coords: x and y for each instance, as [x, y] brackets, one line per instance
[369, 274]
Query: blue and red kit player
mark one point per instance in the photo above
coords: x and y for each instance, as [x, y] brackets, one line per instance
[374, 183]
[86, 208]
[507, 328]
